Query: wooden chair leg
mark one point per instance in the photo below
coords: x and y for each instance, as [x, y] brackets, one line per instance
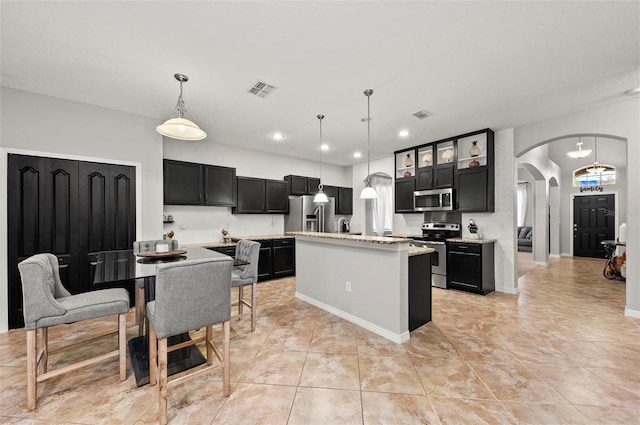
[162, 366]
[122, 345]
[32, 353]
[153, 355]
[240, 296]
[253, 307]
[140, 305]
[42, 341]
[208, 343]
[226, 358]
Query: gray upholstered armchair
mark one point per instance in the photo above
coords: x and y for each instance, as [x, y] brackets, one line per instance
[190, 295]
[47, 303]
[246, 251]
[146, 246]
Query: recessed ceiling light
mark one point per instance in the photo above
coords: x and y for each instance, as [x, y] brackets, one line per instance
[324, 147]
[632, 92]
[278, 136]
[357, 154]
[403, 133]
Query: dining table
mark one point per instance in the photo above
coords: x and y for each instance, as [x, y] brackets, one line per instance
[113, 267]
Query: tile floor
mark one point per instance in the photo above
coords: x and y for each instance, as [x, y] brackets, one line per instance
[560, 352]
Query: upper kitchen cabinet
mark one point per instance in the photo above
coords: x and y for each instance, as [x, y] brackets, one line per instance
[301, 185]
[182, 183]
[445, 168]
[475, 188]
[188, 183]
[404, 195]
[219, 186]
[405, 164]
[261, 196]
[345, 201]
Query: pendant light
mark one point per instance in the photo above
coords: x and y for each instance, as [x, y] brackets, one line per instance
[178, 127]
[320, 197]
[368, 192]
[596, 168]
[579, 153]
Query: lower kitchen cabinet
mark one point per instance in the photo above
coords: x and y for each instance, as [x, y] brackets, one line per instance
[277, 257]
[419, 290]
[470, 267]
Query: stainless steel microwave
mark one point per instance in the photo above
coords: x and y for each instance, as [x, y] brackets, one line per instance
[434, 200]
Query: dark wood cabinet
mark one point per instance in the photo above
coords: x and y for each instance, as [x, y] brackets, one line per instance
[182, 183]
[345, 201]
[475, 172]
[265, 267]
[70, 209]
[277, 198]
[404, 195]
[251, 196]
[261, 196]
[188, 183]
[283, 257]
[473, 187]
[332, 192]
[424, 178]
[444, 176]
[301, 185]
[419, 290]
[470, 267]
[219, 186]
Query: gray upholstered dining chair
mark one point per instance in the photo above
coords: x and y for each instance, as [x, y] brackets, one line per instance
[190, 295]
[146, 246]
[246, 251]
[47, 303]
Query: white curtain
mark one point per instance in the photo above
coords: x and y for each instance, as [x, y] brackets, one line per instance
[521, 204]
[383, 205]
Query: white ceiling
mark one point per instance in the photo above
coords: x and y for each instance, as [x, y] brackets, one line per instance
[472, 64]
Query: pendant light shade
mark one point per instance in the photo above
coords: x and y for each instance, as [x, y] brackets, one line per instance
[320, 197]
[579, 153]
[179, 127]
[596, 168]
[368, 192]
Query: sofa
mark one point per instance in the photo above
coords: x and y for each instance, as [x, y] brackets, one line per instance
[524, 238]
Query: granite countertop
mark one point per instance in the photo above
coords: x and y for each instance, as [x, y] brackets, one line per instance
[209, 244]
[470, 240]
[355, 238]
[418, 250]
[263, 237]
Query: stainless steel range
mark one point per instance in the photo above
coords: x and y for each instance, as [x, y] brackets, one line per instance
[434, 235]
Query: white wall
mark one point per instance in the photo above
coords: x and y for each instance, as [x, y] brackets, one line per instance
[195, 224]
[622, 120]
[55, 127]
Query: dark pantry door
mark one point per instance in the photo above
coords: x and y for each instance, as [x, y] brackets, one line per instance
[66, 208]
[593, 222]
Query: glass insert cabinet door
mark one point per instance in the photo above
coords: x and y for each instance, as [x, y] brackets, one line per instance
[406, 164]
[425, 156]
[472, 151]
[445, 153]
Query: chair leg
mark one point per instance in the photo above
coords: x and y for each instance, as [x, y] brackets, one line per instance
[226, 358]
[140, 305]
[208, 342]
[162, 365]
[153, 356]
[42, 336]
[240, 296]
[122, 345]
[253, 307]
[32, 353]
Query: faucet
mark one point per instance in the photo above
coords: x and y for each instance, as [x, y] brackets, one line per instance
[340, 221]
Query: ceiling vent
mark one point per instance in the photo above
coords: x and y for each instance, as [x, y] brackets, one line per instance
[422, 114]
[261, 89]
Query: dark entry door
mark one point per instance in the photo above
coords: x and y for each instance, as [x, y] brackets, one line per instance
[593, 222]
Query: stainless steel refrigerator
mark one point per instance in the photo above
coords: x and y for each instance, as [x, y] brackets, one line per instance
[308, 216]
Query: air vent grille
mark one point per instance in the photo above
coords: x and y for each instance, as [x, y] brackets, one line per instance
[262, 89]
[422, 114]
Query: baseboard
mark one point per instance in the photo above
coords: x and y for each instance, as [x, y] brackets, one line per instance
[632, 313]
[391, 336]
[555, 255]
[541, 263]
[507, 290]
[566, 254]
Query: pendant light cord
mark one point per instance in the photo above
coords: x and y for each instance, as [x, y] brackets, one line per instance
[368, 93]
[320, 185]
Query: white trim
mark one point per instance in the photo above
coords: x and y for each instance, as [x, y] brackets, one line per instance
[566, 254]
[4, 157]
[632, 313]
[555, 255]
[541, 263]
[508, 289]
[391, 336]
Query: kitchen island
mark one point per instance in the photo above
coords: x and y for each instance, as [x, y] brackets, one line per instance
[363, 279]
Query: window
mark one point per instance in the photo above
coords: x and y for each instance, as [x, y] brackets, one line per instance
[582, 176]
[383, 205]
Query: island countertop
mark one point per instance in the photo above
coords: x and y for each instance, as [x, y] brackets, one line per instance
[355, 238]
[470, 240]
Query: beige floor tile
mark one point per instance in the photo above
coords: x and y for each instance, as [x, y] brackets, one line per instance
[370, 344]
[291, 339]
[610, 415]
[338, 371]
[450, 378]
[453, 411]
[537, 414]
[389, 374]
[400, 409]
[275, 367]
[255, 404]
[482, 350]
[322, 406]
[333, 339]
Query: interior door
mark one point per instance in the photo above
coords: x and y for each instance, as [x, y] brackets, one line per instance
[593, 222]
